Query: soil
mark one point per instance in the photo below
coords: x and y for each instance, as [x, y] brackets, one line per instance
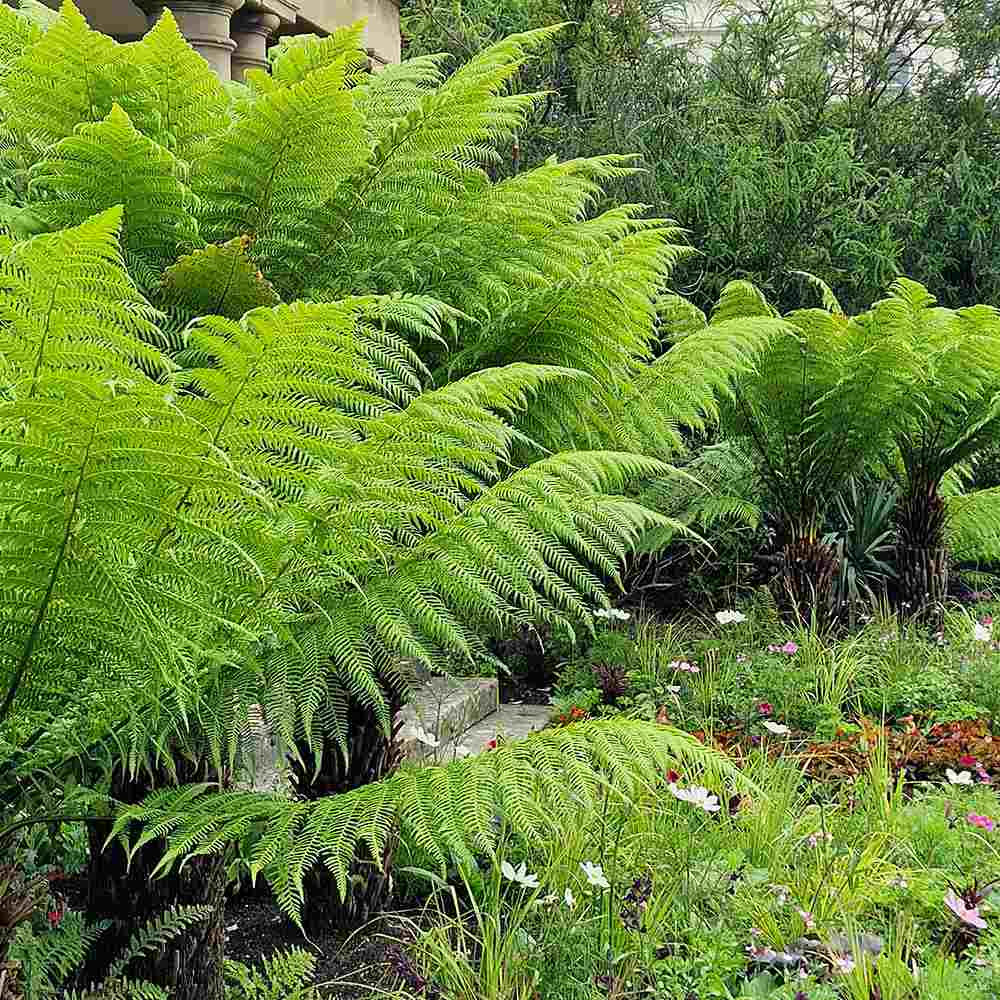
[348, 966]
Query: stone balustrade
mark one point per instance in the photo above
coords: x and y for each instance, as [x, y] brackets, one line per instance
[233, 35]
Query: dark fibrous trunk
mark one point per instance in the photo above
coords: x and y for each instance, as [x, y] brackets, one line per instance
[805, 586]
[125, 893]
[371, 757]
[922, 556]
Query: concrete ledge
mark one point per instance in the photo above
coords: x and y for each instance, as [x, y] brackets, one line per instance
[443, 710]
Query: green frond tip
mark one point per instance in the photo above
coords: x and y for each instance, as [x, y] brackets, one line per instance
[188, 102]
[110, 163]
[296, 56]
[827, 296]
[445, 812]
[217, 280]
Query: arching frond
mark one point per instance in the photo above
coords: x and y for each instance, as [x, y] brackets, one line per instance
[445, 813]
[110, 163]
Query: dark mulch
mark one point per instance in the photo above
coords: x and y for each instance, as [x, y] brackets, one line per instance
[524, 691]
[256, 930]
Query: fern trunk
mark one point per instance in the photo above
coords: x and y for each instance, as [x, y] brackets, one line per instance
[371, 756]
[921, 554]
[805, 587]
[190, 964]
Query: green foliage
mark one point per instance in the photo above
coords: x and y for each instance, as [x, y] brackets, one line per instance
[216, 494]
[49, 958]
[444, 811]
[286, 975]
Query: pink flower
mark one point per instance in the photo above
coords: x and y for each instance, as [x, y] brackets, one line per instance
[815, 839]
[789, 648]
[983, 776]
[983, 822]
[967, 914]
[765, 708]
[683, 666]
[967, 760]
[807, 919]
[987, 619]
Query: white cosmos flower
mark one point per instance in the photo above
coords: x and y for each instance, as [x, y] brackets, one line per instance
[775, 727]
[697, 796]
[595, 875]
[616, 613]
[981, 632]
[569, 898]
[520, 874]
[959, 778]
[729, 617]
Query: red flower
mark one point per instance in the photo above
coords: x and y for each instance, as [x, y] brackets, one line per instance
[491, 744]
[55, 917]
[967, 760]
[765, 708]
[673, 777]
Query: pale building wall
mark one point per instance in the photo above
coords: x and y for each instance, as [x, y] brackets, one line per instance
[704, 23]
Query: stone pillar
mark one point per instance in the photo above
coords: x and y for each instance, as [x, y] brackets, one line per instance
[251, 28]
[205, 24]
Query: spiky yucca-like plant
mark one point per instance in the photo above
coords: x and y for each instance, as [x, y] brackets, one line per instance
[287, 479]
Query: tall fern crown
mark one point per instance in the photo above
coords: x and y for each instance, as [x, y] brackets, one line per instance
[293, 391]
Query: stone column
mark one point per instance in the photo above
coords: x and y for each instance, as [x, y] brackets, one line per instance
[252, 27]
[205, 24]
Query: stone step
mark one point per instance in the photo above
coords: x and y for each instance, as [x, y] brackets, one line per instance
[442, 711]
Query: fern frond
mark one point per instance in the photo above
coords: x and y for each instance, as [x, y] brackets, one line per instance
[273, 168]
[215, 281]
[296, 56]
[68, 75]
[443, 811]
[187, 102]
[973, 524]
[110, 163]
[155, 933]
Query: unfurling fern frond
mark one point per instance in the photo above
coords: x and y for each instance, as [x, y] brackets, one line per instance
[444, 812]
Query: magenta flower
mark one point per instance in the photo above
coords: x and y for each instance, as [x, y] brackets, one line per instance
[765, 708]
[983, 822]
[966, 914]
